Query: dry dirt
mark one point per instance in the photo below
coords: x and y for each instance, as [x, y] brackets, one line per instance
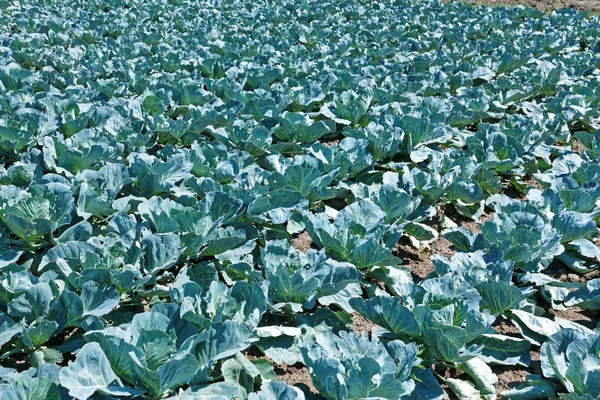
[330, 142]
[302, 241]
[559, 272]
[418, 261]
[510, 376]
[361, 324]
[295, 375]
[545, 5]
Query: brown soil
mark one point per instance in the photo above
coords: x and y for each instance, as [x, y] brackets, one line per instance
[545, 5]
[529, 181]
[330, 142]
[361, 324]
[587, 318]
[465, 222]
[559, 272]
[295, 375]
[506, 327]
[302, 242]
[419, 261]
[510, 376]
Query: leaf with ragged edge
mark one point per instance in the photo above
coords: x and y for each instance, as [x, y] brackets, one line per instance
[46, 355]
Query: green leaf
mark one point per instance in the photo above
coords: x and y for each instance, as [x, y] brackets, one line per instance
[573, 225]
[535, 329]
[482, 376]
[388, 313]
[160, 252]
[535, 388]
[369, 254]
[276, 391]
[97, 300]
[91, 373]
[498, 297]
[177, 372]
[27, 388]
[8, 328]
[446, 341]
[587, 297]
[464, 390]
[34, 304]
[504, 350]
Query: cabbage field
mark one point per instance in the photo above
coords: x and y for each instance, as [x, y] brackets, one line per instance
[298, 199]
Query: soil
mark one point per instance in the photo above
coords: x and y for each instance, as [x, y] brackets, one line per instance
[330, 142]
[506, 327]
[361, 324]
[420, 265]
[559, 272]
[545, 5]
[587, 318]
[510, 376]
[419, 261]
[302, 242]
[295, 375]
